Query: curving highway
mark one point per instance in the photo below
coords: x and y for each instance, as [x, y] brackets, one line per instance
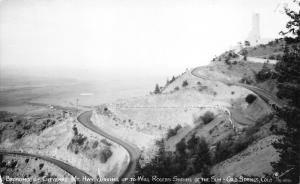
[75, 172]
[262, 93]
[134, 153]
[85, 119]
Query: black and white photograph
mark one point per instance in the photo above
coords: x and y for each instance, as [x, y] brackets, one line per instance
[149, 91]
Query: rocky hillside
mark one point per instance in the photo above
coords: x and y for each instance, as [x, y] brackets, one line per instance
[31, 170]
[207, 103]
[56, 134]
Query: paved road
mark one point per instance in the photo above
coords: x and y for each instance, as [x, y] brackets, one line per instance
[262, 93]
[134, 152]
[68, 168]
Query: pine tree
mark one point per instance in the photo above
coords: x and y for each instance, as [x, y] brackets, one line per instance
[173, 79]
[157, 89]
[288, 70]
[202, 157]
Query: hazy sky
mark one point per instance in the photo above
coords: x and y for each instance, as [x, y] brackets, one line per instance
[130, 37]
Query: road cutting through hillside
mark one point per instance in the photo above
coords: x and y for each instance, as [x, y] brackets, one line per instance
[263, 94]
[134, 153]
[75, 172]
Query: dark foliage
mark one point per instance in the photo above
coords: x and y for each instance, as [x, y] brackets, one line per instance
[207, 117]
[250, 98]
[75, 130]
[185, 83]
[41, 165]
[41, 174]
[288, 70]
[228, 148]
[105, 155]
[157, 89]
[246, 80]
[264, 74]
[18, 121]
[173, 131]
[26, 160]
[95, 144]
[189, 158]
[244, 53]
[172, 80]
[293, 24]
[79, 139]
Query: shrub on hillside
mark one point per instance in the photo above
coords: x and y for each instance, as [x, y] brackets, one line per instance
[19, 134]
[41, 174]
[246, 80]
[157, 89]
[95, 144]
[250, 98]
[227, 61]
[176, 88]
[230, 147]
[185, 83]
[80, 139]
[272, 56]
[75, 130]
[188, 159]
[172, 80]
[265, 73]
[8, 120]
[105, 155]
[244, 53]
[173, 131]
[41, 165]
[208, 117]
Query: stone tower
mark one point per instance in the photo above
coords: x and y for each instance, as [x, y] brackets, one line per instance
[254, 35]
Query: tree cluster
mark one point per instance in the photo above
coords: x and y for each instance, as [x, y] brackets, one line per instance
[288, 70]
[191, 157]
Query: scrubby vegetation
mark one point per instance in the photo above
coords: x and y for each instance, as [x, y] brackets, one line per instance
[91, 148]
[228, 55]
[207, 117]
[185, 83]
[247, 80]
[244, 53]
[105, 155]
[14, 167]
[190, 157]
[250, 98]
[288, 70]
[265, 73]
[16, 128]
[173, 131]
[230, 147]
[77, 141]
[157, 89]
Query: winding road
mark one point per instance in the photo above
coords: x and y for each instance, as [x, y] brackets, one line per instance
[262, 93]
[79, 174]
[85, 119]
[134, 153]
